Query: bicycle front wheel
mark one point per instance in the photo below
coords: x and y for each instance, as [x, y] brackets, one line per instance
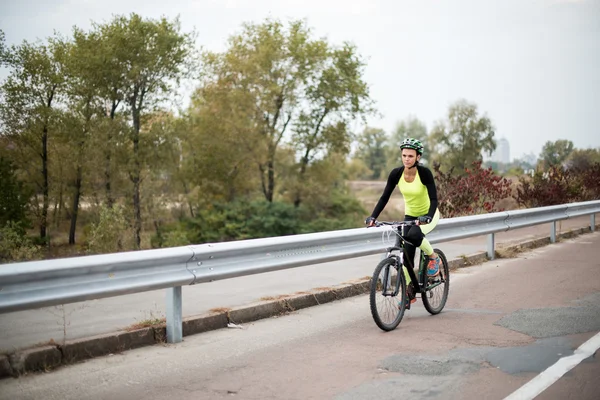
[388, 295]
[436, 292]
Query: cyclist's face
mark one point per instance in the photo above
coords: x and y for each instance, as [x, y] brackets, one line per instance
[409, 157]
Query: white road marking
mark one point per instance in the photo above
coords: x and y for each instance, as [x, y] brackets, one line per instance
[543, 381]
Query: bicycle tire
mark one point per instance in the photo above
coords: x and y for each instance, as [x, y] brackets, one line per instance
[395, 304]
[445, 272]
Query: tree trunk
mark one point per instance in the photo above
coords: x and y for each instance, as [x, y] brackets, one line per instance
[76, 197]
[110, 201]
[45, 190]
[271, 180]
[189, 203]
[135, 178]
[303, 165]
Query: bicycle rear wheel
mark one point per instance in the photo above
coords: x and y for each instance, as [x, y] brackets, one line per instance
[388, 295]
[436, 292]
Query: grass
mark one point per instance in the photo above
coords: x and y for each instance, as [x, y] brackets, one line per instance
[279, 297]
[147, 323]
[368, 193]
[508, 252]
[219, 310]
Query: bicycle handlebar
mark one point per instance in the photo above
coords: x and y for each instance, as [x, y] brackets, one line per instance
[396, 223]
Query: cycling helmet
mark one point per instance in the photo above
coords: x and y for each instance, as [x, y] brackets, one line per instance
[410, 143]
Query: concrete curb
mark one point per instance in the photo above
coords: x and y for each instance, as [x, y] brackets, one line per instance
[52, 355]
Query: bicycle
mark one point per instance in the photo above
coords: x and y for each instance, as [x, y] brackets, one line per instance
[393, 286]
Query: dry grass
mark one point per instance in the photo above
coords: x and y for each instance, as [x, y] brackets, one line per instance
[147, 323]
[368, 193]
[323, 288]
[219, 310]
[271, 298]
[508, 252]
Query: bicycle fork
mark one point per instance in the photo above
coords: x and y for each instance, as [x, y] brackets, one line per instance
[389, 288]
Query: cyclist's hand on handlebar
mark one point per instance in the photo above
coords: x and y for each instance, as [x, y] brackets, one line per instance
[424, 220]
[370, 221]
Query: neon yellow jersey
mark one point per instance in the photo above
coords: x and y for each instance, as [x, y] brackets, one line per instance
[416, 198]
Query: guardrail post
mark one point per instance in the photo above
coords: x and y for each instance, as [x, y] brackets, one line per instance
[553, 232]
[490, 248]
[593, 222]
[174, 315]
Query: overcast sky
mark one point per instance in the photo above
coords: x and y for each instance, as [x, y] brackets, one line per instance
[533, 66]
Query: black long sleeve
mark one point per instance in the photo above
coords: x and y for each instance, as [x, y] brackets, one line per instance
[392, 181]
[428, 181]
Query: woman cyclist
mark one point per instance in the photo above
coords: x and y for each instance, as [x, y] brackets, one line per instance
[417, 186]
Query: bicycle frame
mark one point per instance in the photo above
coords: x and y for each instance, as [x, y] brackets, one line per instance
[422, 280]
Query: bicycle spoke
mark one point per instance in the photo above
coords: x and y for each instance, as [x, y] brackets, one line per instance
[384, 306]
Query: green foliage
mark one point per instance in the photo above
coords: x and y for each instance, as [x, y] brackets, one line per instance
[461, 139]
[28, 111]
[476, 191]
[582, 159]
[372, 144]
[111, 233]
[153, 56]
[276, 87]
[343, 211]
[240, 219]
[13, 196]
[356, 169]
[15, 245]
[555, 153]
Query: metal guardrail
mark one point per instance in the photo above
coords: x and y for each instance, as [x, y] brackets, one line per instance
[35, 284]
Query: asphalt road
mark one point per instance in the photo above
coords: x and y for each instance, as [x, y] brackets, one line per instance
[505, 324]
[28, 328]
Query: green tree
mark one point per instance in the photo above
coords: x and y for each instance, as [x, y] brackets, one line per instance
[287, 88]
[461, 139]
[219, 147]
[103, 67]
[555, 153]
[84, 113]
[336, 96]
[153, 56]
[372, 144]
[27, 109]
[583, 158]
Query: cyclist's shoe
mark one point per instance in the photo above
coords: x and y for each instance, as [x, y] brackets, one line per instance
[408, 303]
[410, 297]
[433, 268]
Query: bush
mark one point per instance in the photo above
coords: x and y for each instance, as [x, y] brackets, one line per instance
[241, 219]
[13, 196]
[111, 233]
[559, 186]
[476, 192]
[590, 182]
[15, 245]
[244, 219]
